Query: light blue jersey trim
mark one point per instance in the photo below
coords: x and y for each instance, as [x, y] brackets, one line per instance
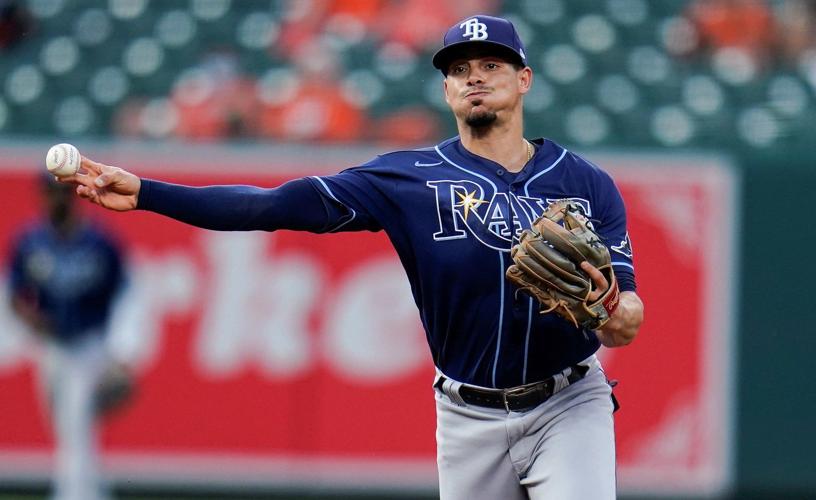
[495, 190]
[536, 176]
[471, 172]
[501, 316]
[527, 341]
[501, 261]
[329, 192]
[624, 264]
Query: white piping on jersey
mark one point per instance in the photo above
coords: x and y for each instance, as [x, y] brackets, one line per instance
[530, 311]
[536, 176]
[480, 176]
[501, 260]
[501, 315]
[495, 191]
[329, 191]
[556, 162]
[527, 340]
[624, 264]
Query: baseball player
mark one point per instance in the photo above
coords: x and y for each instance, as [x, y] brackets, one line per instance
[65, 275]
[523, 407]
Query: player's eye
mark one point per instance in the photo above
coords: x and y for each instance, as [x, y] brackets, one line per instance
[458, 69]
[491, 65]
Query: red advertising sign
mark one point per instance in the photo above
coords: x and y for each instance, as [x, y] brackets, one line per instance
[674, 430]
[290, 358]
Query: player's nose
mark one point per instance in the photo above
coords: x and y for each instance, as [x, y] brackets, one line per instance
[475, 77]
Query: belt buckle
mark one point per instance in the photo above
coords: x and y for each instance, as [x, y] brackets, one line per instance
[509, 392]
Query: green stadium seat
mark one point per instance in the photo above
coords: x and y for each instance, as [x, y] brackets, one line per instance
[609, 54]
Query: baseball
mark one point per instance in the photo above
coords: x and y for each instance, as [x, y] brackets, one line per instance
[62, 160]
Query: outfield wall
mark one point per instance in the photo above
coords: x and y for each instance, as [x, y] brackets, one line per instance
[296, 360]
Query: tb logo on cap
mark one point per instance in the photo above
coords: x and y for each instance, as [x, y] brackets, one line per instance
[474, 29]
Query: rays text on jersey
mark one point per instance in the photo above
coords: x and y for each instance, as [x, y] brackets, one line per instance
[465, 207]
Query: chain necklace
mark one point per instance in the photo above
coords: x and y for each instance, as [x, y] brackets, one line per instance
[529, 150]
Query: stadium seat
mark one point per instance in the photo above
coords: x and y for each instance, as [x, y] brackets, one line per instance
[614, 60]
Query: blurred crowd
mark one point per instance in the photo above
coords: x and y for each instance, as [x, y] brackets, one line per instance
[307, 93]
[767, 35]
[308, 100]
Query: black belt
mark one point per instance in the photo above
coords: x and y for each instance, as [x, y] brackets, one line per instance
[519, 398]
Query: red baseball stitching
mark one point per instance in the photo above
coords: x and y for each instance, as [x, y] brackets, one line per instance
[60, 164]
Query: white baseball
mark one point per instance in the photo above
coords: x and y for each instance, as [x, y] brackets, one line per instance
[63, 160]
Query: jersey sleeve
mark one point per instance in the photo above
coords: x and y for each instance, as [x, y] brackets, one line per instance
[612, 228]
[340, 202]
[360, 193]
[295, 205]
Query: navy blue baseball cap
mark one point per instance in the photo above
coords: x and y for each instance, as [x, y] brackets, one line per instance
[494, 32]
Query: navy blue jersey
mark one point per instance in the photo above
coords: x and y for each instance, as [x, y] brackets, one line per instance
[71, 280]
[452, 217]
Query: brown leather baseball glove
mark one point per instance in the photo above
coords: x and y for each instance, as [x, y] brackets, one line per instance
[547, 263]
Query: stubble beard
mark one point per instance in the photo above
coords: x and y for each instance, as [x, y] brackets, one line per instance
[480, 121]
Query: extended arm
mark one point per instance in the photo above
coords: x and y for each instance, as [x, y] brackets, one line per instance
[294, 205]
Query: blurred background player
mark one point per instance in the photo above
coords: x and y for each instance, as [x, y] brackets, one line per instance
[65, 275]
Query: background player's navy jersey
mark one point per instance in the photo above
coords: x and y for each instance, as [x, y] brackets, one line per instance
[453, 217]
[72, 281]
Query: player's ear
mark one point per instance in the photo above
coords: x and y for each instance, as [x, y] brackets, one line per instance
[525, 79]
[445, 89]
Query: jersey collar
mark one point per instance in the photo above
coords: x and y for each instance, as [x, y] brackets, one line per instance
[546, 152]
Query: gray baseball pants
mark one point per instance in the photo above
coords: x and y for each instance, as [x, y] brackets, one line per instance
[563, 449]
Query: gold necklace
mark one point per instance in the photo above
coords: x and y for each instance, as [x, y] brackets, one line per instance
[529, 150]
